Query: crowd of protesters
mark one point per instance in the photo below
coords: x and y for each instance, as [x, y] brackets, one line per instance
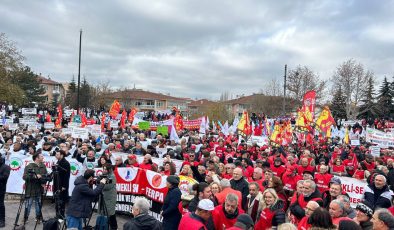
[240, 185]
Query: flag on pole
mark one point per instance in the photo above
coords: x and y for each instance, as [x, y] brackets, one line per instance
[308, 105]
[132, 114]
[325, 121]
[202, 125]
[103, 121]
[115, 109]
[123, 119]
[346, 140]
[174, 136]
[59, 119]
[244, 124]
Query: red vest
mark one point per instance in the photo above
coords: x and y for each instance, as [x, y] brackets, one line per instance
[322, 181]
[220, 220]
[265, 220]
[289, 182]
[190, 223]
[303, 224]
[278, 171]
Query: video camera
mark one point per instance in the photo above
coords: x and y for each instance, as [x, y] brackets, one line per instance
[97, 180]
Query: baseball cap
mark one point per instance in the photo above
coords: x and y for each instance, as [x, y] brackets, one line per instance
[335, 180]
[132, 157]
[206, 204]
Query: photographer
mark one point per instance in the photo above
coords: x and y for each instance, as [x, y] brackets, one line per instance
[4, 174]
[108, 199]
[61, 179]
[34, 176]
[80, 205]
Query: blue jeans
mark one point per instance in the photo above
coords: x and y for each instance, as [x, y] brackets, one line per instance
[74, 222]
[29, 203]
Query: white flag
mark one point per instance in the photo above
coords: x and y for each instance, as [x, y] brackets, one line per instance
[174, 135]
[202, 125]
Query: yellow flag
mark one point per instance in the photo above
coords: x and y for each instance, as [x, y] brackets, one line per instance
[346, 139]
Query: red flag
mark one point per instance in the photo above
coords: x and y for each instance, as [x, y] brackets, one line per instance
[48, 118]
[58, 122]
[178, 122]
[123, 119]
[308, 105]
[109, 125]
[84, 120]
[115, 109]
[132, 114]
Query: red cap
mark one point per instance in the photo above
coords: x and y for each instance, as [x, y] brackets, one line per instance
[118, 146]
[193, 147]
[132, 157]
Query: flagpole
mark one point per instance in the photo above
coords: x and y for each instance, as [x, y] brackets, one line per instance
[284, 91]
[79, 69]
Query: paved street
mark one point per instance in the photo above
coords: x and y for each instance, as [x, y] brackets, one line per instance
[48, 211]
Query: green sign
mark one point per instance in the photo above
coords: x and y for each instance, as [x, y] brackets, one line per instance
[163, 130]
[77, 119]
[144, 125]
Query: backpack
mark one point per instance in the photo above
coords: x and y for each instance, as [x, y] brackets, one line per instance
[101, 223]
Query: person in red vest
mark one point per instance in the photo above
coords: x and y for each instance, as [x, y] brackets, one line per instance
[226, 189]
[309, 209]
[228, 171]
[197, 220]
[337, 212]
[322, 179]
[148, 163]
[350, 164]
[335, 189]
[131, 161]
[278, 168]
[244, 222]
[368, 163]
[258, 178]
[272, 213]
[338, 169]
[225, 215]
[304, 166]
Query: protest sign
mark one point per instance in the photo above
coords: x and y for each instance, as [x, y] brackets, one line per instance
[381, 139]
[143, 125]
[67, 130]
[163, 129]
[29, 111]
[114, 124]
[80, 133]
[49, 125]
[355, 142]
[375, 150]
[94, 130]
[13, 126]
[354, 188]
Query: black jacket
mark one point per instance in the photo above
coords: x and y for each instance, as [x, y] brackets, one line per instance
[243, 186]
[171, 214]
[80, 204]
[367, 225]
[193, 204]
[4, 174]
[62, 180]
[143, 222]
[279, 216]
[380, 198]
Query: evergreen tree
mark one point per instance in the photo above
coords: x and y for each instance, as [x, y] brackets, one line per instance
[368, 108]
[30, 84]
[84, 94]
[338, 105]
[71, 94]
[385, 99]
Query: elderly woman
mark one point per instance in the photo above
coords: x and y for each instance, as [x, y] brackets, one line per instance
[338, 169]
[272, 213]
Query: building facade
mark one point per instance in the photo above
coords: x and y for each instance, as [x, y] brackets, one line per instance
[54, 91]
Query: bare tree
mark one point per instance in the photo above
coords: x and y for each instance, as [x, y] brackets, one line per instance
[352, 78]
[99, 94]
[301, 80]
[273, 87]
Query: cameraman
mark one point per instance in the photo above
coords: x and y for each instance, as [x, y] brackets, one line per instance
[61, 179]
[4, 174]
[34, 185]
[80, 205]
[109, 196]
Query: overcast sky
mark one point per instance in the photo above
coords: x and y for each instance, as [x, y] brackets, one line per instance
[199, 49]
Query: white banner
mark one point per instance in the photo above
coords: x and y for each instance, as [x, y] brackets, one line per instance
[49, 125]
[18, 162]
[382, 139]
[94, 130]
[354, 188]
[375, 151]
[80, 133]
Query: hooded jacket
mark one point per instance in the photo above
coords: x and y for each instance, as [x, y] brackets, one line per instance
[382, 200]
[143, 222]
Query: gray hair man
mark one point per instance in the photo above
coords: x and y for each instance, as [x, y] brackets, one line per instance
[378, 187]
[349, 211]
[142, 220]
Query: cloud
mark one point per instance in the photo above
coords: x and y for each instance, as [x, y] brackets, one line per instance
[198, 49]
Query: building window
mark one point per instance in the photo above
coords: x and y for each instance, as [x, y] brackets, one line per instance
[56, 88]
[150, 102]
[159, 103]
[138, 103]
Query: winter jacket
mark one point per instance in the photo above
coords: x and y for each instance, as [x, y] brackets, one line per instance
[62, 180]
[4, 174]
[272, 216]
[171, 214]
[366, 225]
[80, 205]
[193, 204]
[143, 222]
[243, 186]
[192, 222]
[383, 200]
[33, 184]
[254, 207]
[109, 194]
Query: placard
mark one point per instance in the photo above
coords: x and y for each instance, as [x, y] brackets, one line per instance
[80, 133]
[143, 125]
[375, 151]
[163, 129]
[29, 111]
[67, 130]
[355, 142]
[49, 125]
[114, 124]
[95, 130]
[13, 126]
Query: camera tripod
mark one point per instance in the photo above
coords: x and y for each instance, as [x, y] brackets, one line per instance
[101, 207]
[59, 205]
[24, 196]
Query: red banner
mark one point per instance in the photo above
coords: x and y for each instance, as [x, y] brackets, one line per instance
[308, 105]
[156, 188]
[130, 180]
[192, 124]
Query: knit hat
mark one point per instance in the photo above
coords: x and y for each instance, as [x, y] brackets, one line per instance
[246, 220]
[174, 180]
[365, 207]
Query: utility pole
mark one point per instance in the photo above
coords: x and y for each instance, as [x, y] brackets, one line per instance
[79, 70]
[284, 92]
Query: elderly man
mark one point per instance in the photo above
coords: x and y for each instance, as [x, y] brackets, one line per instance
[382, 220]
[198, 220]
[119, 162]
[310, 193]
[322, 179]
[337, 211]
[254, 201]
[378, 193]
[239, 183]
[142, 220]
[334, 191]
[225, 216]
[226, 189]
[309, 209]
[258, 178]
[349, 211]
